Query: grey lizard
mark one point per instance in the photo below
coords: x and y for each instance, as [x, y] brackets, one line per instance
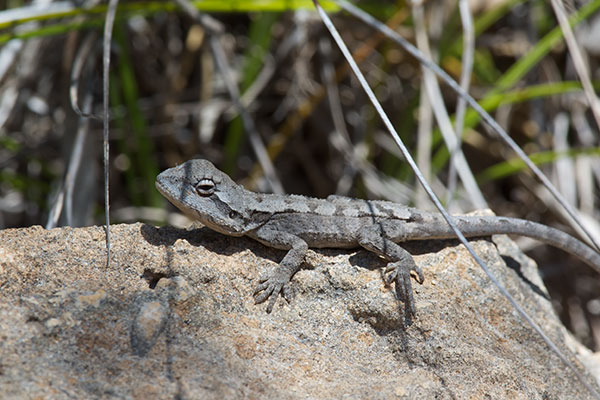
[295, 223]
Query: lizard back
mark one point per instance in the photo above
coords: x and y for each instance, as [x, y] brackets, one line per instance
[332, 206]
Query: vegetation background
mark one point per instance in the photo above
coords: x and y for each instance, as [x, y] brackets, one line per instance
[169, 102]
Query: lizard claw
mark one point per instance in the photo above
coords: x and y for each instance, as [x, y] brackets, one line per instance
[272, 286]
[399, 273]
[392, 271]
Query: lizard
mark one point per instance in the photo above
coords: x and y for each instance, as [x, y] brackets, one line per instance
[296, 223]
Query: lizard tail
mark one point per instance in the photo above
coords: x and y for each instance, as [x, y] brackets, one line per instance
[474, 226]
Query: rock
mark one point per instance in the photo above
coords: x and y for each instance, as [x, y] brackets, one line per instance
[173, 317]
[148, 324]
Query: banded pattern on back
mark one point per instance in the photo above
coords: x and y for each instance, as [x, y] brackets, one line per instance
[332, 206]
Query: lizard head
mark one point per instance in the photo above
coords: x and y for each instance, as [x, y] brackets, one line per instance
[204, 193]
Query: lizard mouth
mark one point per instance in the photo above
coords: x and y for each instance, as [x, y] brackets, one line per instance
[162, 183]
[165, 183]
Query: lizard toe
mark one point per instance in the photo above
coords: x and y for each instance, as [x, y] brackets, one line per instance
[287, 293]
[272, 301]
[262, 292]
[400, 274]
[270, 290]
[394, 270]
[271, 287]
[273, 292]
[420, 276]
[262, 286]
[405, 292]
[390, 273]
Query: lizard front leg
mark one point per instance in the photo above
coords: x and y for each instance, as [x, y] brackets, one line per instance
[278, 280]
[375, 239]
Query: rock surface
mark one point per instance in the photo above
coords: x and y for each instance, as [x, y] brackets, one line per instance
[173, 317]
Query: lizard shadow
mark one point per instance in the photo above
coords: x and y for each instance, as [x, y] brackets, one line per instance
[518, 268]
[208, 239]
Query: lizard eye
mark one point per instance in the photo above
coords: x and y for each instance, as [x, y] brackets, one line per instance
[205, 187]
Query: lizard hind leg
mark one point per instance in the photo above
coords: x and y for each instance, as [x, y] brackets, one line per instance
[401, 263]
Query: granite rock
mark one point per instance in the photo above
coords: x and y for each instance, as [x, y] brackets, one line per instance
[173, 316]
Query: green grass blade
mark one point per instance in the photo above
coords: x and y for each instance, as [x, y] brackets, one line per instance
[153, 7]
[526, 63]
[492, 102]
[516, 165]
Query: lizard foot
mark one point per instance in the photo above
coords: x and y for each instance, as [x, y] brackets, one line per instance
[399, 273]
[272, 286]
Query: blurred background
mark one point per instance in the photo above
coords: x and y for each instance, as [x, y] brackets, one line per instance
[169, 102]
